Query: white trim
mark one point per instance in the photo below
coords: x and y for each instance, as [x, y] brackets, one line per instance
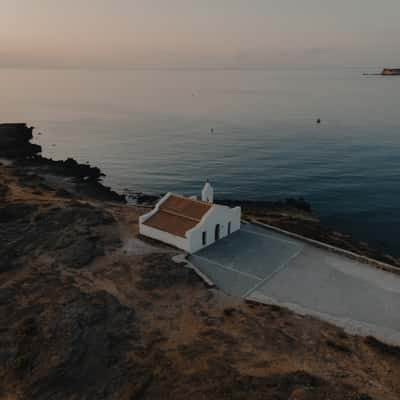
[165, 237]
[143, 218]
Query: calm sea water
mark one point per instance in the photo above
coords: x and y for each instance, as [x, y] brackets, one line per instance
[150, 131]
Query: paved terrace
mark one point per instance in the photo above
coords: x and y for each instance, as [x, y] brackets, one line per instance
[265, 266]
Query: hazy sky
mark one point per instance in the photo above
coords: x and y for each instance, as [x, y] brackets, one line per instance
[204, 33]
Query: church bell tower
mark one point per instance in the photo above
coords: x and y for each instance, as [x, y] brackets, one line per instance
[207, 194]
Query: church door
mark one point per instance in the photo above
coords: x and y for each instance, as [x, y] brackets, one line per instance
[217, 232]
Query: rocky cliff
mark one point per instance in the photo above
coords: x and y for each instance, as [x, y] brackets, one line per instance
[15, 144]
[15, 141]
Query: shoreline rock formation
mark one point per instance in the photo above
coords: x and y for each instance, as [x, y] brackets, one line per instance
[15, 141]
[15, 144]
[294, 215]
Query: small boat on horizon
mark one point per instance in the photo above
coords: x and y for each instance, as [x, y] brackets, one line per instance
[385, 72]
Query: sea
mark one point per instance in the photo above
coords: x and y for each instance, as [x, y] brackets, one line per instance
[252, 133]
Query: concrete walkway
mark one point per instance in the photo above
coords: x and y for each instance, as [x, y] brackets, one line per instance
[263, 265]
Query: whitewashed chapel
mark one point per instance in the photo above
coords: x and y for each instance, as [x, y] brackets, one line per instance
[188, 223]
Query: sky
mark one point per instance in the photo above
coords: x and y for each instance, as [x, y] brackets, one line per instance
[199, 33]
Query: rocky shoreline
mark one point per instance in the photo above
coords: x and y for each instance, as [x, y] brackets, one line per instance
[89, 310]
[293, 215]
[15, 144]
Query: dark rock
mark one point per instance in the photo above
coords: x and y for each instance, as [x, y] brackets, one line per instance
[260, 207]
[16, 211]
[100, 192]
[228, 312]
[87, 179]
[15, 141]
[143, 198]
[147, 198]
[298, 203]
[63, 193]
[69, 167]
[383, 348]
[338, 346]
[3, 190]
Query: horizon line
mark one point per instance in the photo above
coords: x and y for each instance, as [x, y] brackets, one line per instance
[186, 68]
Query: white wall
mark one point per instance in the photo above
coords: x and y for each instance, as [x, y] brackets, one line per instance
[177, 241]
[165, 237]
[221, 215]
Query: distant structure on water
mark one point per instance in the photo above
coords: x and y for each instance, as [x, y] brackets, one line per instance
[391, 71]
[190, 224]
[385, 72]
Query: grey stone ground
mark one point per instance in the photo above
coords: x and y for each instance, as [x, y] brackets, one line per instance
[265, 266]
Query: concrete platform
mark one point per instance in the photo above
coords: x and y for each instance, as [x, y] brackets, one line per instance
[265, 266]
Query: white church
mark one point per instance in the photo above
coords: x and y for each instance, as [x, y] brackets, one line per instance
[188, 223]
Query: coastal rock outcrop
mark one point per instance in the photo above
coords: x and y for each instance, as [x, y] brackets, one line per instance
[15, 144]
[15, 141]
[69, 167]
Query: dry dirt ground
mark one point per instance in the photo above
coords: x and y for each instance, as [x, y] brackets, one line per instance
[88, 310]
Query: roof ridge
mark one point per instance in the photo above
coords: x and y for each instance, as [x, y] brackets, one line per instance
[168, 211]
[194, 200]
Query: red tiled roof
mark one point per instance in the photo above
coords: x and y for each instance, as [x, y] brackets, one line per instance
[178, 214]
